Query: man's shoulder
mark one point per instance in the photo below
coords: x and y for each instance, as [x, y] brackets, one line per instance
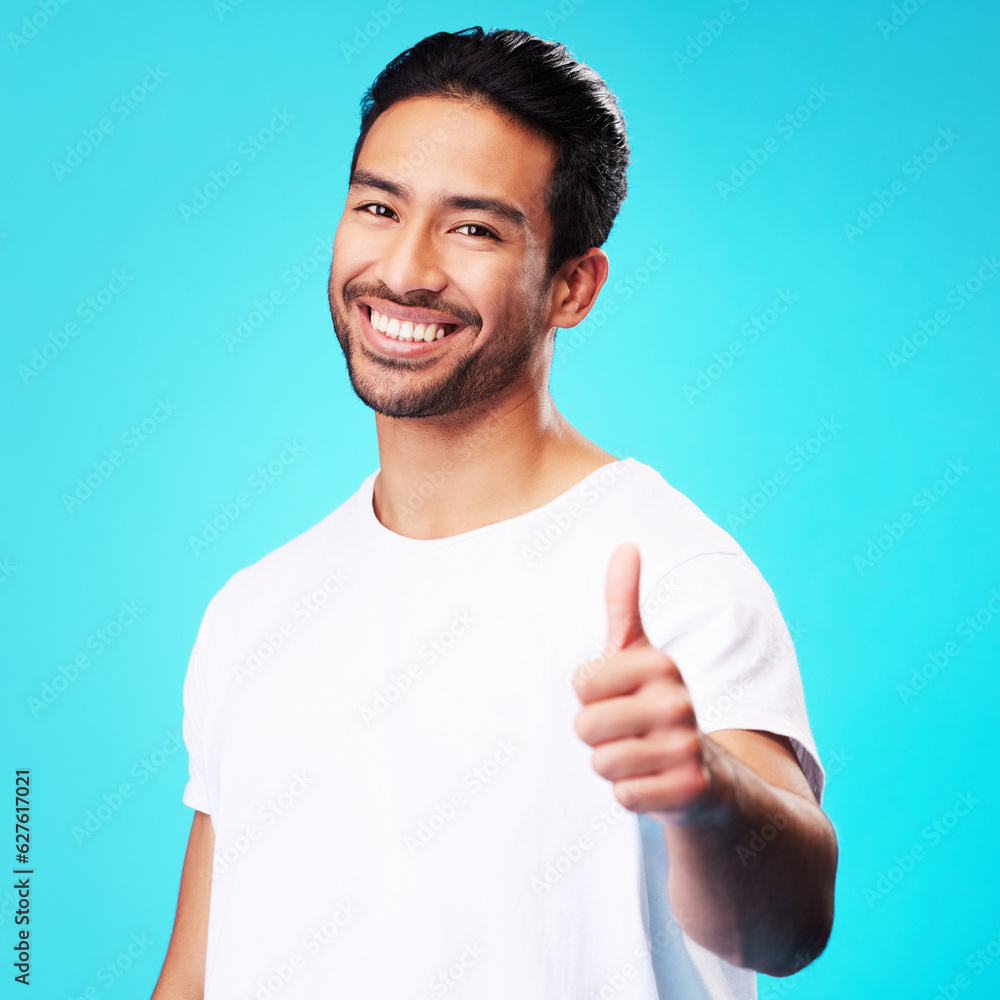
[678, 528]
[293, 564]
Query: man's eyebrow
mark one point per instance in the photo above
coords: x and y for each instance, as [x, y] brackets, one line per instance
[474, 203]
[365, 178]
[464, 203]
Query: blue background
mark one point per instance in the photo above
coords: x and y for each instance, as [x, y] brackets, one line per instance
[898, 758]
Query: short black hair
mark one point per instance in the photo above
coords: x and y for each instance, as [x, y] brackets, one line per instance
[540, 85]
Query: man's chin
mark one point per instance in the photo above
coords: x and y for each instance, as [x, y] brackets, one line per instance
[398, 406]
[375, 390]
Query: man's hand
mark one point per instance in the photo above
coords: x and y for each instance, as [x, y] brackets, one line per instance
[638, 714]
[772, 913]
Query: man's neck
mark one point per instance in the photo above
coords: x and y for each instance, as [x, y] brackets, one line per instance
[444, 476]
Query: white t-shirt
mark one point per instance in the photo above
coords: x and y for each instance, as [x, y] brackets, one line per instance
[381, 729]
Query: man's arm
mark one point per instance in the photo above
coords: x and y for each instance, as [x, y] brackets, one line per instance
[183, 973]
[753, 858]
[752, 873]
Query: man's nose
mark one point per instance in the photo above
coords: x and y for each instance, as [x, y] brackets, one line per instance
[411, 260]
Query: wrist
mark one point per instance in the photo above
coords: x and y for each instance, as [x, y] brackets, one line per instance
[717, 805]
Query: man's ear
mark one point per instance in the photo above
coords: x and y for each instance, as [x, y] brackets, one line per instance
[575, 287]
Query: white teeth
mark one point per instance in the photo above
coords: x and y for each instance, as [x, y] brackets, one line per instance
[406, 330]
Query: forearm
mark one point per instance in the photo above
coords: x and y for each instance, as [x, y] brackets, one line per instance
[752, 874]
[172, 991]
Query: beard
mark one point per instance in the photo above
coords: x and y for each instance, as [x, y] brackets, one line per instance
[478, 376]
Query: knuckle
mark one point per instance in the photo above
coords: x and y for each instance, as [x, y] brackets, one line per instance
[668, 706]
[666, 667]
[689, 745]
[685, 707]
[603, 763]
[628, 794]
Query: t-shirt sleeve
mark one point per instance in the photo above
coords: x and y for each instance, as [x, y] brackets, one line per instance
[715, 616]
[195, 691]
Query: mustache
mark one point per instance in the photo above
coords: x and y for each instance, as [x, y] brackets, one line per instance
[421, 299]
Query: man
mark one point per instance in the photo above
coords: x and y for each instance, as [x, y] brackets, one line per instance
[455, 735]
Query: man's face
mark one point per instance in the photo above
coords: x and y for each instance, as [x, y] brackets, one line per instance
[444, 237]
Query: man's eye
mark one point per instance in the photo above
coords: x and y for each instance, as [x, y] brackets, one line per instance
[377, 209]
[476, 230]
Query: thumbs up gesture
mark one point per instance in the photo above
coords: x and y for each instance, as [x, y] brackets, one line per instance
[637, 712]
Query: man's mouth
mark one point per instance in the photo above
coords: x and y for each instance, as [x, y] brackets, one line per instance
[407, 330]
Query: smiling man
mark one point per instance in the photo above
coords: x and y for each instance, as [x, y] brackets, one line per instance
[516, 719]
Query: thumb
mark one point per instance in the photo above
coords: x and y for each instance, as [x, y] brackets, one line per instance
[622, 594]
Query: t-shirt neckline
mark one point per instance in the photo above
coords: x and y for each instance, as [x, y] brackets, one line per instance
[379, 533]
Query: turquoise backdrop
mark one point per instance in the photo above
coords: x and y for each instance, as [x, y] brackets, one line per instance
[800, 332]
